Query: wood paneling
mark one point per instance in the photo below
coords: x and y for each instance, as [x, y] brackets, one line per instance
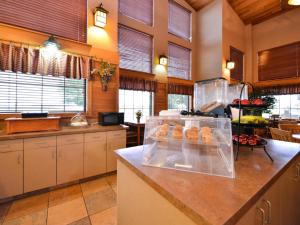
[237, 57]
[251, 11]
[160, 98]
[279, 63]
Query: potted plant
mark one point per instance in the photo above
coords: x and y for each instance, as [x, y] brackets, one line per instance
[105, 73]
[139, 114]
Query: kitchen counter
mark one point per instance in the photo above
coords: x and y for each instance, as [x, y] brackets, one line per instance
[202, 198]
[64, 131]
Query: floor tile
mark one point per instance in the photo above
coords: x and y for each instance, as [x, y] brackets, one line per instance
[36, 218]
[84, 221]
[3, 211]
[100, 201]
[107, 217]
[67, 212]
[28, 205]
[94, 186]
[112, 180]
[60, 196]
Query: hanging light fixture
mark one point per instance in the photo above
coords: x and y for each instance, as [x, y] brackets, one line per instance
[294, 2]
[51, 44]
[163, 60]
[230, 64]
[100, 16]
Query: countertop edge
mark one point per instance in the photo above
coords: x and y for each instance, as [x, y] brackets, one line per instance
[63, 131]
[194, 215]
[198, 219]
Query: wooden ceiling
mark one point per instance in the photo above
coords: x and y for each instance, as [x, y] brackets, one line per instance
[251, 11]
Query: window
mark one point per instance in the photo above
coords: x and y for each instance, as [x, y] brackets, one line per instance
[287, 106]
[60, 17]
[135, 50]
[35, 93]
[179, 20]
[179, 62]
[179, 102]
[141, 10]
[131, 101]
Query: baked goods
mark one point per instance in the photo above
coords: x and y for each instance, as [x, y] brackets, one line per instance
[192, 133]
[177, 132]
[206, 135]
[162, 132]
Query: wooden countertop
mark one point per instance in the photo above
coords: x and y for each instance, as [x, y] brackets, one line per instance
[63, 131]
[211, 199]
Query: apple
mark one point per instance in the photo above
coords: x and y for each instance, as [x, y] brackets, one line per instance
[236, 101]
[245, 102]
[258, 101]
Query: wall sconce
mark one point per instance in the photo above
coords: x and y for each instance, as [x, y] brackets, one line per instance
[163, 60]
[230, 64]
[100, 16]
[294, 2]
[51, 44]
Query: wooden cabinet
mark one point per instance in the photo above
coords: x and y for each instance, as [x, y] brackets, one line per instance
[39, 163]
[94, 154]
[69, 158]
[11, 168]
[115, 140]
[280, 204]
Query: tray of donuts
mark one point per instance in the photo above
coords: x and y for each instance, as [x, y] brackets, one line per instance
[179, 133]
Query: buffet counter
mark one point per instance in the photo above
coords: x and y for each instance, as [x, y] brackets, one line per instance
[157, 196]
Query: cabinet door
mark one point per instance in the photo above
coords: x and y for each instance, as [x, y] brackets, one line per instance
[69, 162]
[39, 163]
[11, 173]
[289, 196]
[115, 140]
[94, 158]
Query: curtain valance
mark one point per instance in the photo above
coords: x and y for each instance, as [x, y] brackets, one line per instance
[279, 89]
[180, 89]
[39, 61]
[138, 84]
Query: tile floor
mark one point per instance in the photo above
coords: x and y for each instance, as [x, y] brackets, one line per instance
[89, 203]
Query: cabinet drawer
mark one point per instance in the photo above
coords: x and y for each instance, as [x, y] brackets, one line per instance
[11, 145]
[69, 139]
[39, 143]
[113, 135]
[92, 137]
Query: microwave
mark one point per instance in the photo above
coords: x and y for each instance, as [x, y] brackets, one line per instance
[110, 118]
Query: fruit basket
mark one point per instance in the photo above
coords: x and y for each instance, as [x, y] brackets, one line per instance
[189, 143]
[249, 122]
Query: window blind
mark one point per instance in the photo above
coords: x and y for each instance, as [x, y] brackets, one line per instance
[179, 20]
[279, 63]
[135, 50]
[141, 10]
[179, 62]
[35, 93]
[63, 18]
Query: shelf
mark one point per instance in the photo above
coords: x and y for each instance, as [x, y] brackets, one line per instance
[250, 125]
[256, 107]
[262, 143]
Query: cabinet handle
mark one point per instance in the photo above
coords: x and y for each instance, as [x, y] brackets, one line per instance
[269, 205]
[298, 170]
[263, 215]
[19, 159]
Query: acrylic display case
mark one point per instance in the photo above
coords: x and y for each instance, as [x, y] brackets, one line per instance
[234, 91]
[195, 144]
[210, 94]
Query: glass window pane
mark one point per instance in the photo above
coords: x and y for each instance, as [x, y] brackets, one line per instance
[285, 101]
[179, 102]
[295, 113]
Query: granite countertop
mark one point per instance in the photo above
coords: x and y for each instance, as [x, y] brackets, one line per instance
[211, 199]
[64, 131]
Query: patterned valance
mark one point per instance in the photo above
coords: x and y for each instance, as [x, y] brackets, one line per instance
[39, 61]
[138, 84]
[279, 90]
[180, 89]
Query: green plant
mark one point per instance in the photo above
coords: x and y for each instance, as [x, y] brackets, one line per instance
[268, 99]
[139, 114]
[105, 72]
